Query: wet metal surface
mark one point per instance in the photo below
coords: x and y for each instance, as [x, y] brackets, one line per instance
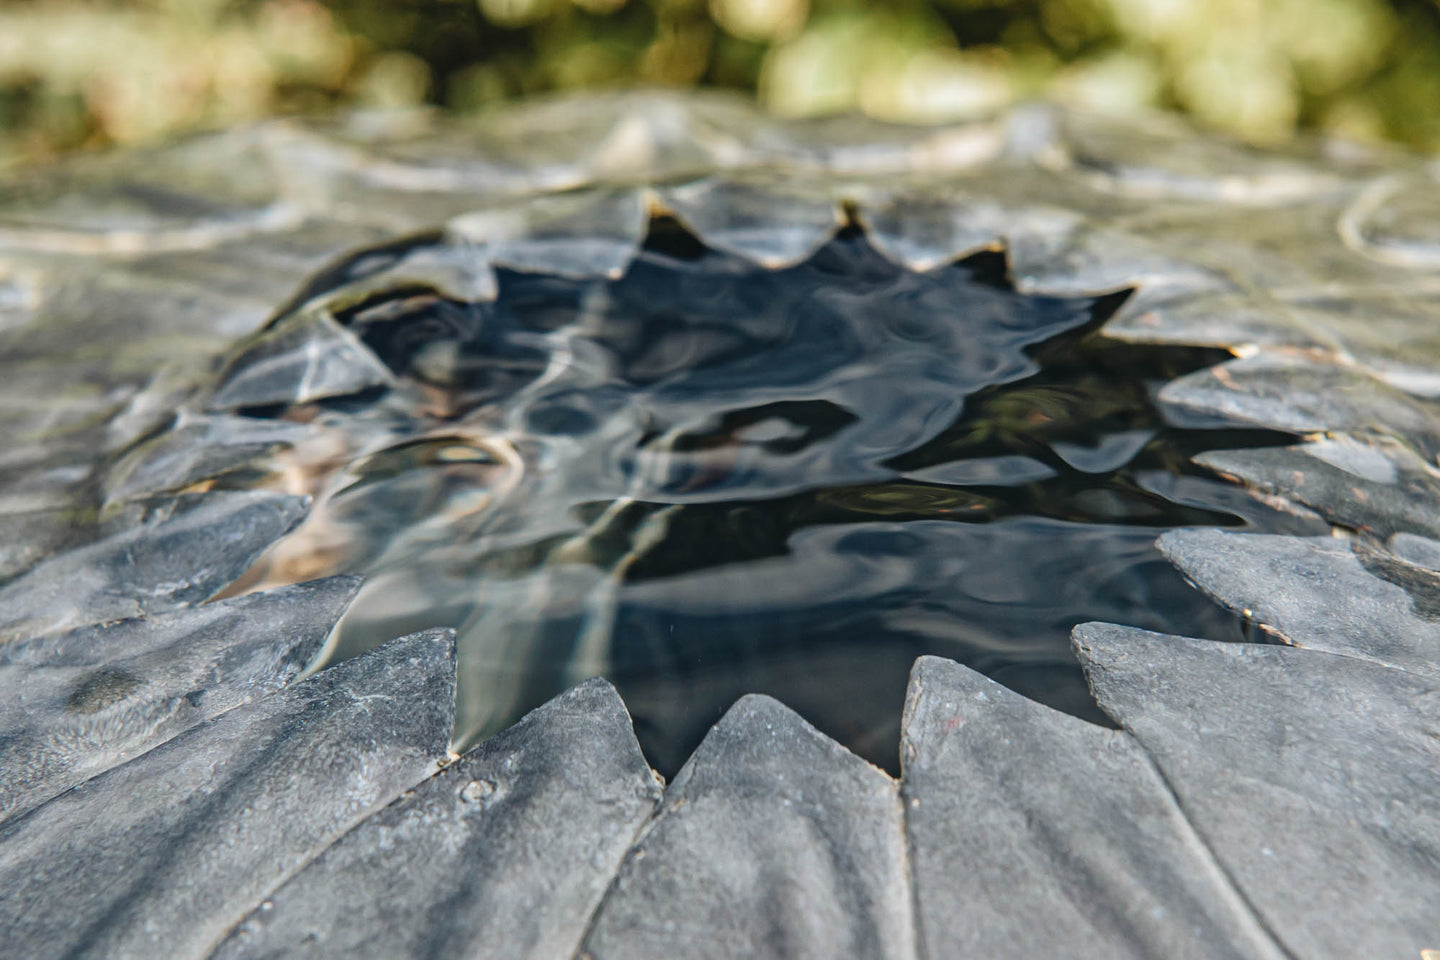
[705, 478]
[513, 462]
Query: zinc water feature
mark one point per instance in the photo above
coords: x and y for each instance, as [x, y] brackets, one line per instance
[704, 477]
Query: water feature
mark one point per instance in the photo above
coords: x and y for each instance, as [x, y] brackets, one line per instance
[705, 478]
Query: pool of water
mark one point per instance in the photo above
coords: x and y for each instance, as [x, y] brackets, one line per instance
[704, 478]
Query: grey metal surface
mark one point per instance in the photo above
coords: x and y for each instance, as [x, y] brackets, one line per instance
[1033, 834]
[308, 357]
[195, 449]
[504, 854]
[75, 704]
[1381, 487]
[161, 856]
[148, 569]
[1305, 396]
[1309, 777]
[773, 841]
[1323, 593]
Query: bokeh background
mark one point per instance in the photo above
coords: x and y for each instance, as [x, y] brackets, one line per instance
[80, 73]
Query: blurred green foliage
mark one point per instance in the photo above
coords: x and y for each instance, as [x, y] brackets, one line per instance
[91, 72]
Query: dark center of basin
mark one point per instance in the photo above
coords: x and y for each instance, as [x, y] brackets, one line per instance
[704, 478]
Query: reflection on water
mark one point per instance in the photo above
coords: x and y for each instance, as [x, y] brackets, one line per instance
[704, 479]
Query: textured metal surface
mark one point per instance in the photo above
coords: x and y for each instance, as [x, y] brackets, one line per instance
[772, 841]
[1291, 793]
[150, 568]
[1342, 597]
[1035, 833]
[505, 853]
[160, 856]
[1307, 774]
[75, 704]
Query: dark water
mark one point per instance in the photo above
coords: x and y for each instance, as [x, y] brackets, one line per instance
[705, 479]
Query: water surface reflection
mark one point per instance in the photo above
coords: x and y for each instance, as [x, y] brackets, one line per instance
[704, 479]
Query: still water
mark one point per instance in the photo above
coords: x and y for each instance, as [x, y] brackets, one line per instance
[704, 478]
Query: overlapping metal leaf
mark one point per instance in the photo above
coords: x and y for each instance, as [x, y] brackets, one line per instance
[169, 788]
